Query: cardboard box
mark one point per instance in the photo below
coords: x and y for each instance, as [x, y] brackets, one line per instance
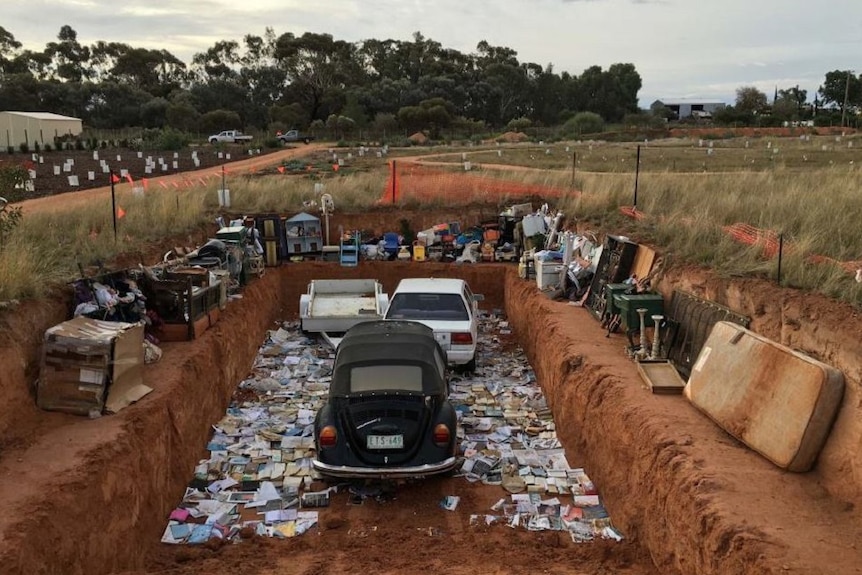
[89, 366]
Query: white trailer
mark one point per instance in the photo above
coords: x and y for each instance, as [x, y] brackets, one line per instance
[334, 306]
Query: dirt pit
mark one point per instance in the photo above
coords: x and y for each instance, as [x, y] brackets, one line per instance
[93, 496]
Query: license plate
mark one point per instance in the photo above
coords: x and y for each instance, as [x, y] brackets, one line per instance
[385, 441]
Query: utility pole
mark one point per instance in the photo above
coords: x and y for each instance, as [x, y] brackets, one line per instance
[846, 97]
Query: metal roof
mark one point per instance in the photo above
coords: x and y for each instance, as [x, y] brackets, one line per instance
[681, 101]
[43, 116]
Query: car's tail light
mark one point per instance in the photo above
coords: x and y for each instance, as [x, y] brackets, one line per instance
[462, 338]
[442, 435]
[327, 437]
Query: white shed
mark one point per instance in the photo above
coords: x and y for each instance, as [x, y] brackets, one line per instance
[17, 128]
[691, 107]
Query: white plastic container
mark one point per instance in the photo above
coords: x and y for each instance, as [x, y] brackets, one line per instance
[534, 224]
[548, 274]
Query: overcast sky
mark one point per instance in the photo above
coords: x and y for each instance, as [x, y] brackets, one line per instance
[681, 48]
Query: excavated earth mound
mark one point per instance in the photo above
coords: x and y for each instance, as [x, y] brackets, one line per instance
[92, 496]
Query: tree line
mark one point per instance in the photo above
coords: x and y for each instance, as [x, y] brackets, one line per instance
[837, 102]
[285, 80]
[273, 82]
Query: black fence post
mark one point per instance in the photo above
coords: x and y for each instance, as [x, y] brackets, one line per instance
[780, 255]
[113, 205]
[637, 176]
[393, 181]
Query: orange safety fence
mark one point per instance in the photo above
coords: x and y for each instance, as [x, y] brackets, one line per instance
[409, 181]
[749, 235]
[769, 239]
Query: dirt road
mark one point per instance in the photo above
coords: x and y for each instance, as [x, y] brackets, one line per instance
[82, 198]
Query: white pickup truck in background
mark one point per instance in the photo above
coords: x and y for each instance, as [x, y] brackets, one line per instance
[230, 137]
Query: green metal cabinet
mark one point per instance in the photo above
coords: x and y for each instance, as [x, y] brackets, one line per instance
[611, 291]
[629, 304]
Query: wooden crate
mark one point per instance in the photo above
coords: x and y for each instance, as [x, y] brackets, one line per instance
[188, 331]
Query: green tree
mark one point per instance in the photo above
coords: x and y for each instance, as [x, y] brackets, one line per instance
[154, 113]
[412, 118]
[291, 116]
[103, 59]
[837, 85]
[340, 126]
[219, 62]
[750, 100]
[9, 47]
[219, 95]
[583, 123]
[113, 105]
[261, 74]
[659, 110]
[182, 115]
[18, 92]
[385, 124]
[157, 72]
[509, 87]
[795, 95]
[354, 110]
[732, 116]
[547, 97]
[69, 57]
[218, 120]
[315, 65]
[519, 124]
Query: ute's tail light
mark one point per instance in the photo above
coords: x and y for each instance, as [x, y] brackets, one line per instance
[442, 435]
[328, 436]
[465, 338]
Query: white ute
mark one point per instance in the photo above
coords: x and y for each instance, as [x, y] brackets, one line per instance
[447, 306]
[333, 306]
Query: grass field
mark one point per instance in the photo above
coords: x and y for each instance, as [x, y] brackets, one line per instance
[808, 193]
[699, 156]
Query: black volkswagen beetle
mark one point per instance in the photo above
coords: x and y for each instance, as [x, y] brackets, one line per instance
[387, 415]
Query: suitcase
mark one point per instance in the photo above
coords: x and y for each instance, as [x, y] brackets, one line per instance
[775, 400]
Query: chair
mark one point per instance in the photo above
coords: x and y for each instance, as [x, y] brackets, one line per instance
[391, 243]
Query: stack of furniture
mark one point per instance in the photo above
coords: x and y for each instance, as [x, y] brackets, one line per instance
[615, 263]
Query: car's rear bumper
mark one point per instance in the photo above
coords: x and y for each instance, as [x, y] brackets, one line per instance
[385, 472]
[458, 357]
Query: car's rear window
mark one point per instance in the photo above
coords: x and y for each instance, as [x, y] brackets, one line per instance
[386, 378]
[428, 306]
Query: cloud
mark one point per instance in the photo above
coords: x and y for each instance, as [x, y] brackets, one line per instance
[697, 48]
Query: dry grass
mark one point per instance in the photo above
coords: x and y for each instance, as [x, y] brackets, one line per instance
[814, 208]
[676, 155]
[816, 211]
